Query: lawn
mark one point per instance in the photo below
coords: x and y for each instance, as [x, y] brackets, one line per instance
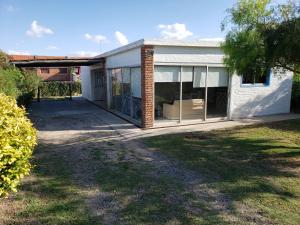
[93, 179]
[257, 166]
[48, 195]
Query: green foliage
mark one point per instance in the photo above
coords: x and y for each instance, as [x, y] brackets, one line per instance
[262, 36]
[8, 82]
[17, 141]
[296, 94]
[3, 59]
[59, 88]
[18, 84]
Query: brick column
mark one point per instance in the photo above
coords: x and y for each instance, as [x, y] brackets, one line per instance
[147, 85]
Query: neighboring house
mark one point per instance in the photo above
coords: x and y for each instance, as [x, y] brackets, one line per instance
[160, 83]
[52, 72]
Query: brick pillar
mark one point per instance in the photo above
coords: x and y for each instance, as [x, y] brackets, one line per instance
[147, 85]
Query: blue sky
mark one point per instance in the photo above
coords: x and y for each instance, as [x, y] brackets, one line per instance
[78, 27]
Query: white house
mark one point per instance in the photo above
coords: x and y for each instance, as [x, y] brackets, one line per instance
[162, 82]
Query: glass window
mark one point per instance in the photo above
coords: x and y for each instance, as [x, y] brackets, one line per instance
[253, 77]
[126, 91]
[167, 73]
[116, 81]
[63, 70]
[167, 92]
[199, 76]
[45, 70]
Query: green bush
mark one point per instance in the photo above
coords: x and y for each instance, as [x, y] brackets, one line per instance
[8, 82]
[59, 88]
[18, 84]
[17, 141]
[296, 94]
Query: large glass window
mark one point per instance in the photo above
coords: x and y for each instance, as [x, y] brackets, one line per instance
[193, 92]
[180, 92]
[126, 91]
[116, 89]
[167, 92]
[136, 93]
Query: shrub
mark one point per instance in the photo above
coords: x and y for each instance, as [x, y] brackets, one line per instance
[27, 83]
[3, 59]
[17, 141]
[296, 94]
[59, 88]
[8, 81]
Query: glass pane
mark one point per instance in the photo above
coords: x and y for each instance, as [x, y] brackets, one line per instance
[116, 81]
[136, 93]
[167, 74]
[187, 74]
[192, 101]
[199, 76]
[217, 77]
[167, 99]
[126, 94]
[217, 98]
[136, 82]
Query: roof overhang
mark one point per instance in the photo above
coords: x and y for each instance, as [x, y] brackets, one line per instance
[57, 62]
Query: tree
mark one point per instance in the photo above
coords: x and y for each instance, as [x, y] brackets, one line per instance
[262, 36]
[3, 59]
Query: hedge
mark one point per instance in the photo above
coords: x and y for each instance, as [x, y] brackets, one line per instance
[59, 88]
[17, 141]
[295, 104]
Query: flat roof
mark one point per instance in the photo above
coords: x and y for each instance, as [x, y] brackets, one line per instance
[53, 61]
[207, 43]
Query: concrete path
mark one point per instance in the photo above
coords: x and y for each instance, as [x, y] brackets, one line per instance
[130, 131]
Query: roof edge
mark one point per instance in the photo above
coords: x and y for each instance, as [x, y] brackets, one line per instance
[162, 42]
[124, 48]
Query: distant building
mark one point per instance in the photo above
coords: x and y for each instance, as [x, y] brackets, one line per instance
[46, 68]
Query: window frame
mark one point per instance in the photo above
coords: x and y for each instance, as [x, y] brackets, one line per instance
[43, 70]
[63, 68]
[266, 84]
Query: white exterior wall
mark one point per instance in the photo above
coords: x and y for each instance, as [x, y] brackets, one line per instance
[173, 55]
[85, 74]
[258, 100]
[129, 58]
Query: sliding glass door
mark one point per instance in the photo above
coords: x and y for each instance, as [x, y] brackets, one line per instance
[126, 91]
[167, 93]
[188, 92]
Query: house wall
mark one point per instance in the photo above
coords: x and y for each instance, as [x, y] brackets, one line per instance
[147, 73]
[187, 55]
[54, 74]
[258, 100]
[123, 59]
[86, 82]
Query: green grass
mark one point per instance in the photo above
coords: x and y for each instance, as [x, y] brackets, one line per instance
[49, 197]
[257, 166]
[146, 198]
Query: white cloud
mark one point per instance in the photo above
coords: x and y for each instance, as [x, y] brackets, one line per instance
[174, 31]
[95, 38]
[13, 52]
[52, 47]
[85, 54]
[121, 38]
[10, 8]
[37, 30]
